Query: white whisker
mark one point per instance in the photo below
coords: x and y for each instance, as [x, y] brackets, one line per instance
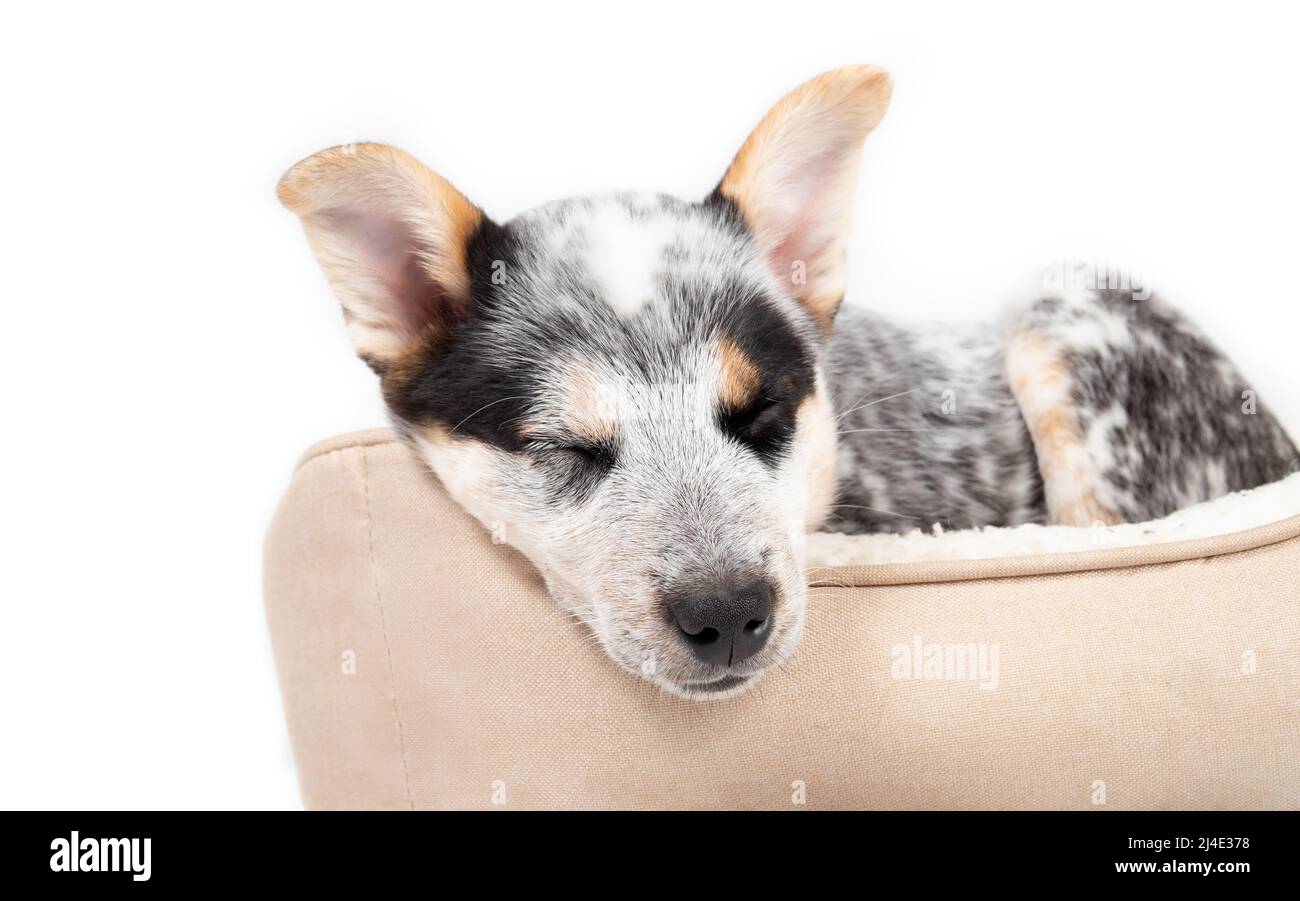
[855, 431]
[874, 402]
[499, 400]
[874, 510]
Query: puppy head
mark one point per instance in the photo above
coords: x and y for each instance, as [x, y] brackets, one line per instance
[627, 387]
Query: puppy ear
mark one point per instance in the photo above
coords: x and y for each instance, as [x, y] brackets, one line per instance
[793, 180]
[391, 236]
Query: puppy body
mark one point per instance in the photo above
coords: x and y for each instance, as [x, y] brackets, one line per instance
[654, 398]
[1085, 407]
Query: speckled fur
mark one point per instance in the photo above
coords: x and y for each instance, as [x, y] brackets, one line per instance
[1167, 420]
[654, 399]
[931, 430]
[928, 429]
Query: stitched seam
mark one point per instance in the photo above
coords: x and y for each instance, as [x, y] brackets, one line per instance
[326, 454]
[383, 624]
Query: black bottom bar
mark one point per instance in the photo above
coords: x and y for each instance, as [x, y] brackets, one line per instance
[335, 851]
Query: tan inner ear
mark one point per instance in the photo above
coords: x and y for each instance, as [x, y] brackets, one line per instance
[794, 177]
[391, 236]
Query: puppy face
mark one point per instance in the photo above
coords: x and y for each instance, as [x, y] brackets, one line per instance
[627, 388]
[644, 427]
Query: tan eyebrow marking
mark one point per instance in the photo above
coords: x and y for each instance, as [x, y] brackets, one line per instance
[585, 407]
[739, 384]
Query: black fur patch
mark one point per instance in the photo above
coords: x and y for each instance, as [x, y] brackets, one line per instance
[453, 384]
[460, 384]
[786, 378]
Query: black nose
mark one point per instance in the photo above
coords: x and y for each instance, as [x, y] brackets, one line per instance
[726, 625]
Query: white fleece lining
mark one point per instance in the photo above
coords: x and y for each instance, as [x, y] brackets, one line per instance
[1222, 516]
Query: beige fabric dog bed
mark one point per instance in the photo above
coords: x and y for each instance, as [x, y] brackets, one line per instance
[424, 666]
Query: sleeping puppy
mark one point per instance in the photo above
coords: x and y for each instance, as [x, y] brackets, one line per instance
[654, 398]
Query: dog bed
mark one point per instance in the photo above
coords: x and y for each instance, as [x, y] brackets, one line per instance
[1140, 666]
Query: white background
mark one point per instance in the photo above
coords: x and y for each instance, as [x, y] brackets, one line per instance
[170, 346]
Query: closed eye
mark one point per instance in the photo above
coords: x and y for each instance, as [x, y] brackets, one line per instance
[588, 454]
[591, 454]
[738, 421]
[764, 426]
[571, 469]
